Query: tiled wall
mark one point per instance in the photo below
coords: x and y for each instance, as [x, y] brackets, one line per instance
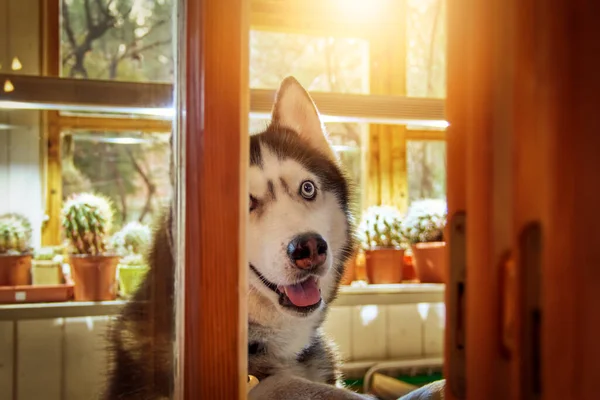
[384, 332]
[65, 358]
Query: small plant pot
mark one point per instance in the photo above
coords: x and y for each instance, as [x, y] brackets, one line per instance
[15, 270]
[46, 272]
[408, 271]
[350, 272]
[430, 261]
[130, 278]
[95, 277]
[384, 265]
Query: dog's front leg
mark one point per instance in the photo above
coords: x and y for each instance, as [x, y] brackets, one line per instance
[289, 387]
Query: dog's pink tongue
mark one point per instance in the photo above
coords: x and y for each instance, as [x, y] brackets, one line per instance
[303, 294]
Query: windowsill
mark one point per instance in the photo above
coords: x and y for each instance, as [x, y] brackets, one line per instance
[405, 293]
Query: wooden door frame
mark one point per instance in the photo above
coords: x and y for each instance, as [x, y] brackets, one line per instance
[212, 329]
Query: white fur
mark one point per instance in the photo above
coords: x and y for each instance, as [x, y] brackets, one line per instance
[270, 233]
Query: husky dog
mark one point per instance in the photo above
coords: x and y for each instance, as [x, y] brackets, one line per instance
[300, 234]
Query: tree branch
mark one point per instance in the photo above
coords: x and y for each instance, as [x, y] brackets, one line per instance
[151, 186]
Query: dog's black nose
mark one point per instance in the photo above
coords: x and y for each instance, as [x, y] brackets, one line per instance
[308, 250]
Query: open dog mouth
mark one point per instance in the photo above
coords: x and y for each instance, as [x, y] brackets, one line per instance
[303, 297]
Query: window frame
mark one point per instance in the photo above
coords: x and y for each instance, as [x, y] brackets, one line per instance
[385, 172]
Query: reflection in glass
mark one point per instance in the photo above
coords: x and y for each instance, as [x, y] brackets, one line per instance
[126, 40]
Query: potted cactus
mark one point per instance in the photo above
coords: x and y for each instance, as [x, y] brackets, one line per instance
[131, 243]
[424, 229]
[15, 250]
[87, 220]
[46, 267]
[381, 237]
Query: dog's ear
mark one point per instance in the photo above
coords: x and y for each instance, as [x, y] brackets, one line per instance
[295, 109]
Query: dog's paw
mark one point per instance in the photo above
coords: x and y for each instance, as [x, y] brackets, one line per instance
[284, 386]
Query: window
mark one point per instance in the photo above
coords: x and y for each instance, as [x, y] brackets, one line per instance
[130, 168]
[321, 64]
[426, 169]
[426, 43]
[120, 40]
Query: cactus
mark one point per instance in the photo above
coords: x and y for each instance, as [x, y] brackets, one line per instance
[15, 234]
[381, 226]
[134, 238]
[87, 220]
[425, 221]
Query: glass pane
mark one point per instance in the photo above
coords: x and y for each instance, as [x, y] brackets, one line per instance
[125, 40]
[129, 168]
[82, 198]
[426, 169]
[426, 41]
[323, 64]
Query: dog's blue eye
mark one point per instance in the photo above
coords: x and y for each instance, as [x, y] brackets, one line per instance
[308, 190]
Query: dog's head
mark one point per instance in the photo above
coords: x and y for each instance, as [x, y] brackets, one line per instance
[300, 229]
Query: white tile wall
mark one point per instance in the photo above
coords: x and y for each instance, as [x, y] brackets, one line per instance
[65, 358]
[384, 332]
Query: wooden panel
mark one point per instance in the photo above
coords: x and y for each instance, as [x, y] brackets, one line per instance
[325, 17]
[39, 355]
[216, 139]
[567, 65]
[7, 352]
[457, 108]
[85, 357]
[404, 331]
[387, 163]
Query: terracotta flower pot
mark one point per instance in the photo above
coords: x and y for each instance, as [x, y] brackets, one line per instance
[350, 272]
[408, 271]
[46, 272]
[15, 270]
[95, 277]
[430, 261]
[384, 265]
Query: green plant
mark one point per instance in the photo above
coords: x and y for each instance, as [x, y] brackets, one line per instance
[87, 220]
[381, 226]
[15, 234]
[133, 260]
[48, 254]
[44, 254]
[134, 238]
[425, 221]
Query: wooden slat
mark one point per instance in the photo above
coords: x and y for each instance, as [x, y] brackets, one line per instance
[216, 140]
[456, 134]
[325, 17]
[50, 91]
[567, 64]
[114, 124]
[485, 367]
